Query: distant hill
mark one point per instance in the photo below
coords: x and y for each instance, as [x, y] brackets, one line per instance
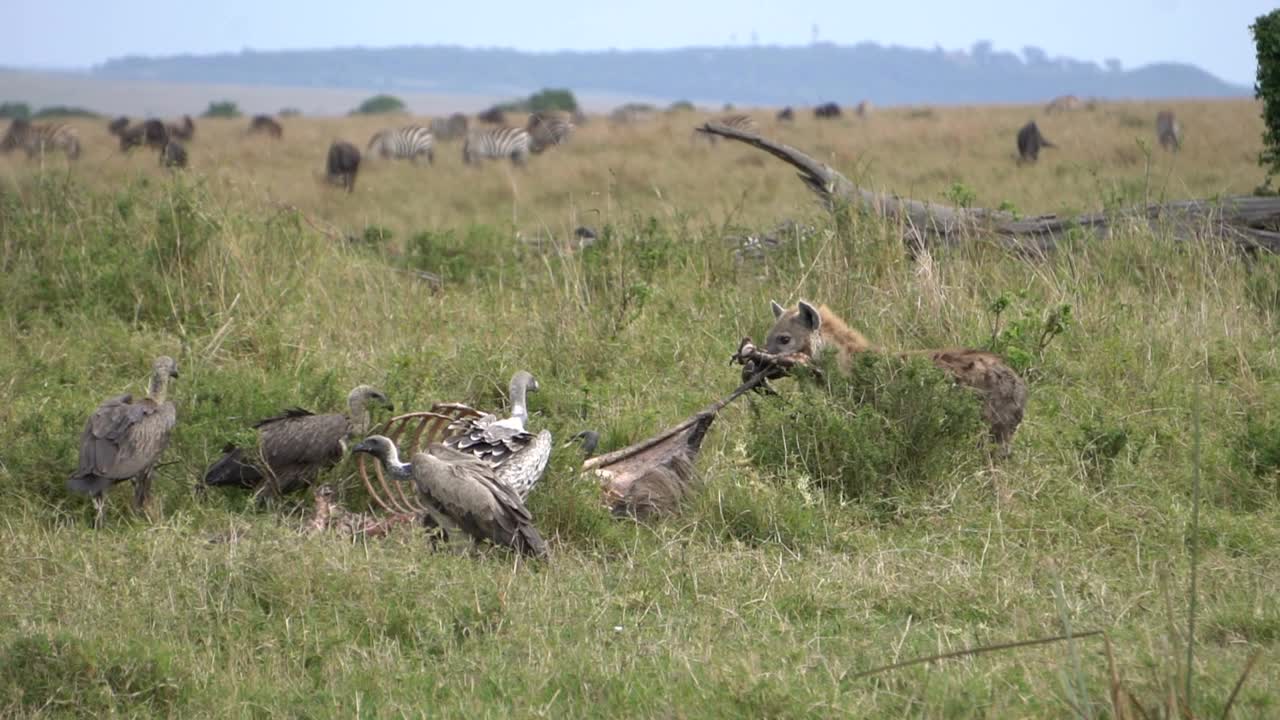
[744, 75]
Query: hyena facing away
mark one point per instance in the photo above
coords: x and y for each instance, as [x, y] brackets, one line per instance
[807, 329]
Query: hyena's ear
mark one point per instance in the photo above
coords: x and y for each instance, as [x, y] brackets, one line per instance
[777, 309]
[809, 316]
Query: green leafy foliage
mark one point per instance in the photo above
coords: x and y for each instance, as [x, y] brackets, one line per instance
[889, 427]
[1022, 339]
[961, 195]
[64, 111]
[221, 109]
[681, 106]
[1266, 38]
[15, 110]
[380, 104]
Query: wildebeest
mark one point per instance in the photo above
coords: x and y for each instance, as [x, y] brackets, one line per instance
[118, 126]
[827, 110]
[1030, 141]
[184, 131]
[1168, 131]
[343, 164]
[173, 155]
[265, 125]
[786, 114]
[493, 115]
[450, 128]
[151, 133]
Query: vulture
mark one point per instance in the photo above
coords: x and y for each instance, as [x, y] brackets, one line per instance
[295, 446]
[518, 457]
[462, 494]
[124, 439]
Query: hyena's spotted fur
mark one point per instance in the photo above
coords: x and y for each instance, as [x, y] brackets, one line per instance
[807, 329]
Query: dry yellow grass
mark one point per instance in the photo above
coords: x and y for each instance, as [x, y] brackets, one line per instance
[657, 167]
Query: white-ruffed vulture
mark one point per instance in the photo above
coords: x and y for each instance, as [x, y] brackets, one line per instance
[518, 457]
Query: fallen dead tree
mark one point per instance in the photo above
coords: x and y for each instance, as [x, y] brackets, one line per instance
[1251, 223]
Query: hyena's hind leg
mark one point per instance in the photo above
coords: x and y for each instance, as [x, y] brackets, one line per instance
[1005, 402]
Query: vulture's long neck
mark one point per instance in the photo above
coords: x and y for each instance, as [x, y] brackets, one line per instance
[397, 469]
[358, 406]
[519, 410]
[159, 386]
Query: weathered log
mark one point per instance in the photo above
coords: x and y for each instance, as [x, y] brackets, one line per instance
[1252, 223]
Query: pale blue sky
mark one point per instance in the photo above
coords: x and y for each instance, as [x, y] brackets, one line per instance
[80, 33]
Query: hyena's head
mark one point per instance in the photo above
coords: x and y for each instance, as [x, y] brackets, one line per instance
[794, 331]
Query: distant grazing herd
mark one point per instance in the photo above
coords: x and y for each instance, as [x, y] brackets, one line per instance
[489, 138]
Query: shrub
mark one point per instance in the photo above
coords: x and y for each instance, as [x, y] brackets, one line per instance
[681, 106]
[65, 111]
[551, 99]
[1023, 340]
[222, 109]
[289, 112]
[888, 426]
[15, 110]
[1266, 38]
[379, 104]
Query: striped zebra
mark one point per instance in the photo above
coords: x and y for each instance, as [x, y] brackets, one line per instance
[410, 142]
[35, 139]
[1168, 131]
[741, 123]
[546, 130]
[503, 142]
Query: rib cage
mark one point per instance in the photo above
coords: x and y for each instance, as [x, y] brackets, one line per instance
[418, 430]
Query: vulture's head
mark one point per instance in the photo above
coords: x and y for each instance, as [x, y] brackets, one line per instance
[588, 440]
[381, 447]
[165, 367]
[522, 382]
[367, 395]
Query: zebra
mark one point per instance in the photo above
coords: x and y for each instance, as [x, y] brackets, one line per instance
[503, 142]
[1029, 143]
[741, 123]
[1168, 131]
[37, 138]
[410, 142]
[454, 126]
[546, 130]
[184, 131]
[863, 110]
[343, 164]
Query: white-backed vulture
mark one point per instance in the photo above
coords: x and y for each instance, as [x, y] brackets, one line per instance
[462, 494]
[294, 446]
[124, 439]
[518, 457]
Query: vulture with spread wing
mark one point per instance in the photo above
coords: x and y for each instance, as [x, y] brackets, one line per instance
[295, 446]
[123, 440]
[462, 494]
[518, 457]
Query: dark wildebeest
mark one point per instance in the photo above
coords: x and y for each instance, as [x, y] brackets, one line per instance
[184, 131]
[1029, 143]
[450, 128]
[1168, 131]
[493, 115]
[173, 155]
[343, 164]
[827, 110]
[266, 125]
[118, 126]
[786, 114]
[151, 133]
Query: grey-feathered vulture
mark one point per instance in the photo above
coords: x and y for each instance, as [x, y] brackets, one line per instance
[294, 446]
[518, 457]
[462, 494]
[124, 438]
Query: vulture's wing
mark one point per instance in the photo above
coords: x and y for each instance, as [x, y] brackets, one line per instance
[473, 498]
[488, 438]
[233, 468]
[302, 439]
[121, 439]
[524, 469]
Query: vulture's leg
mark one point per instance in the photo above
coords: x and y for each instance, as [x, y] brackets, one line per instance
[99, 510]
[142, 490]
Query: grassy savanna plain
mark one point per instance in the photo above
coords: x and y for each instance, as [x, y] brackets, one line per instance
[770, 593]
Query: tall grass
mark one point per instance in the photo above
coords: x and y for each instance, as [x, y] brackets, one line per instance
[768, 595]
